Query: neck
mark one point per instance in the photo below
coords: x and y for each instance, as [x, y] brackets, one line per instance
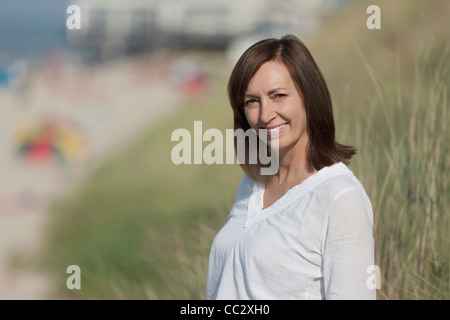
[292, 167]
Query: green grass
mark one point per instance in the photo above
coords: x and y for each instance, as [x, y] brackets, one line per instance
[132, 222]
[141, 227]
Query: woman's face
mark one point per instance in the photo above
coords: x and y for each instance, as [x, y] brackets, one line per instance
[272, 102]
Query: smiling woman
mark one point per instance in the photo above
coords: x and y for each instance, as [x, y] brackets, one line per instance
[287, 71]
[277, 106]
[304, 232]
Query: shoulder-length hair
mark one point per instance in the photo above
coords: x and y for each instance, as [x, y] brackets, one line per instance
[322, 149]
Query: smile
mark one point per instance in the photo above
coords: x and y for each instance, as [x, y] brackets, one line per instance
[274, 131]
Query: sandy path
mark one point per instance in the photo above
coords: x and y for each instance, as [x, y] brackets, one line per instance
[109, 105]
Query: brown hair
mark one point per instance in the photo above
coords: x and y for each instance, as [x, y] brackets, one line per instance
[322, 149]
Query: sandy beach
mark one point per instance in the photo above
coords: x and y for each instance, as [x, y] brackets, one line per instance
[105, 107]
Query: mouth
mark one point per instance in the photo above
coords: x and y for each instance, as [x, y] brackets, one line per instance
[275, 130]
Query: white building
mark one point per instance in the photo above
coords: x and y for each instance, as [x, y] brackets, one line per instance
[118, 27]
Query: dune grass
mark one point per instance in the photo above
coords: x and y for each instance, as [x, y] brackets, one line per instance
[403, 162]
[390, 94]
[141, 227]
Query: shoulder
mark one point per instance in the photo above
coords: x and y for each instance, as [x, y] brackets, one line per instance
[346, 196]
[348, 209]
[337, 180]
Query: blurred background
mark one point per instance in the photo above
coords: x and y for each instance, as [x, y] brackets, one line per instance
[87, 114]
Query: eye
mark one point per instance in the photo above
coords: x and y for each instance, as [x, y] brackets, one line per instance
[280, 95]
[250, 102]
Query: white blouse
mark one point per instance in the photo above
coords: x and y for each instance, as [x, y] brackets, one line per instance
[315, 242]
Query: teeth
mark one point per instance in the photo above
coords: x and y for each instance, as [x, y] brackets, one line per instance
[277, 128]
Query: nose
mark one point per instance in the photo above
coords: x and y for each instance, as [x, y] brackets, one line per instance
[267, 113]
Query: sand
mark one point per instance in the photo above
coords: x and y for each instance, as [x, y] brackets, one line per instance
[105, 106]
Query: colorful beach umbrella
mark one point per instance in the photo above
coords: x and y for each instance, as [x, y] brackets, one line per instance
[50, 140]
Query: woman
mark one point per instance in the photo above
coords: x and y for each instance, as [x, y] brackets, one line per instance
[305, 232]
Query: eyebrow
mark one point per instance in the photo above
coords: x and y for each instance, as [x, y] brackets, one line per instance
[271, 91]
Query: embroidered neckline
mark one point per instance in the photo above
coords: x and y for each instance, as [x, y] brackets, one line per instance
[255, 213]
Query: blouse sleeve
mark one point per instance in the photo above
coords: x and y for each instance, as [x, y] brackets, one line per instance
[348, 255]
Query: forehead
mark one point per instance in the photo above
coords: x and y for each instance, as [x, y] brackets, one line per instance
[270, 75]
